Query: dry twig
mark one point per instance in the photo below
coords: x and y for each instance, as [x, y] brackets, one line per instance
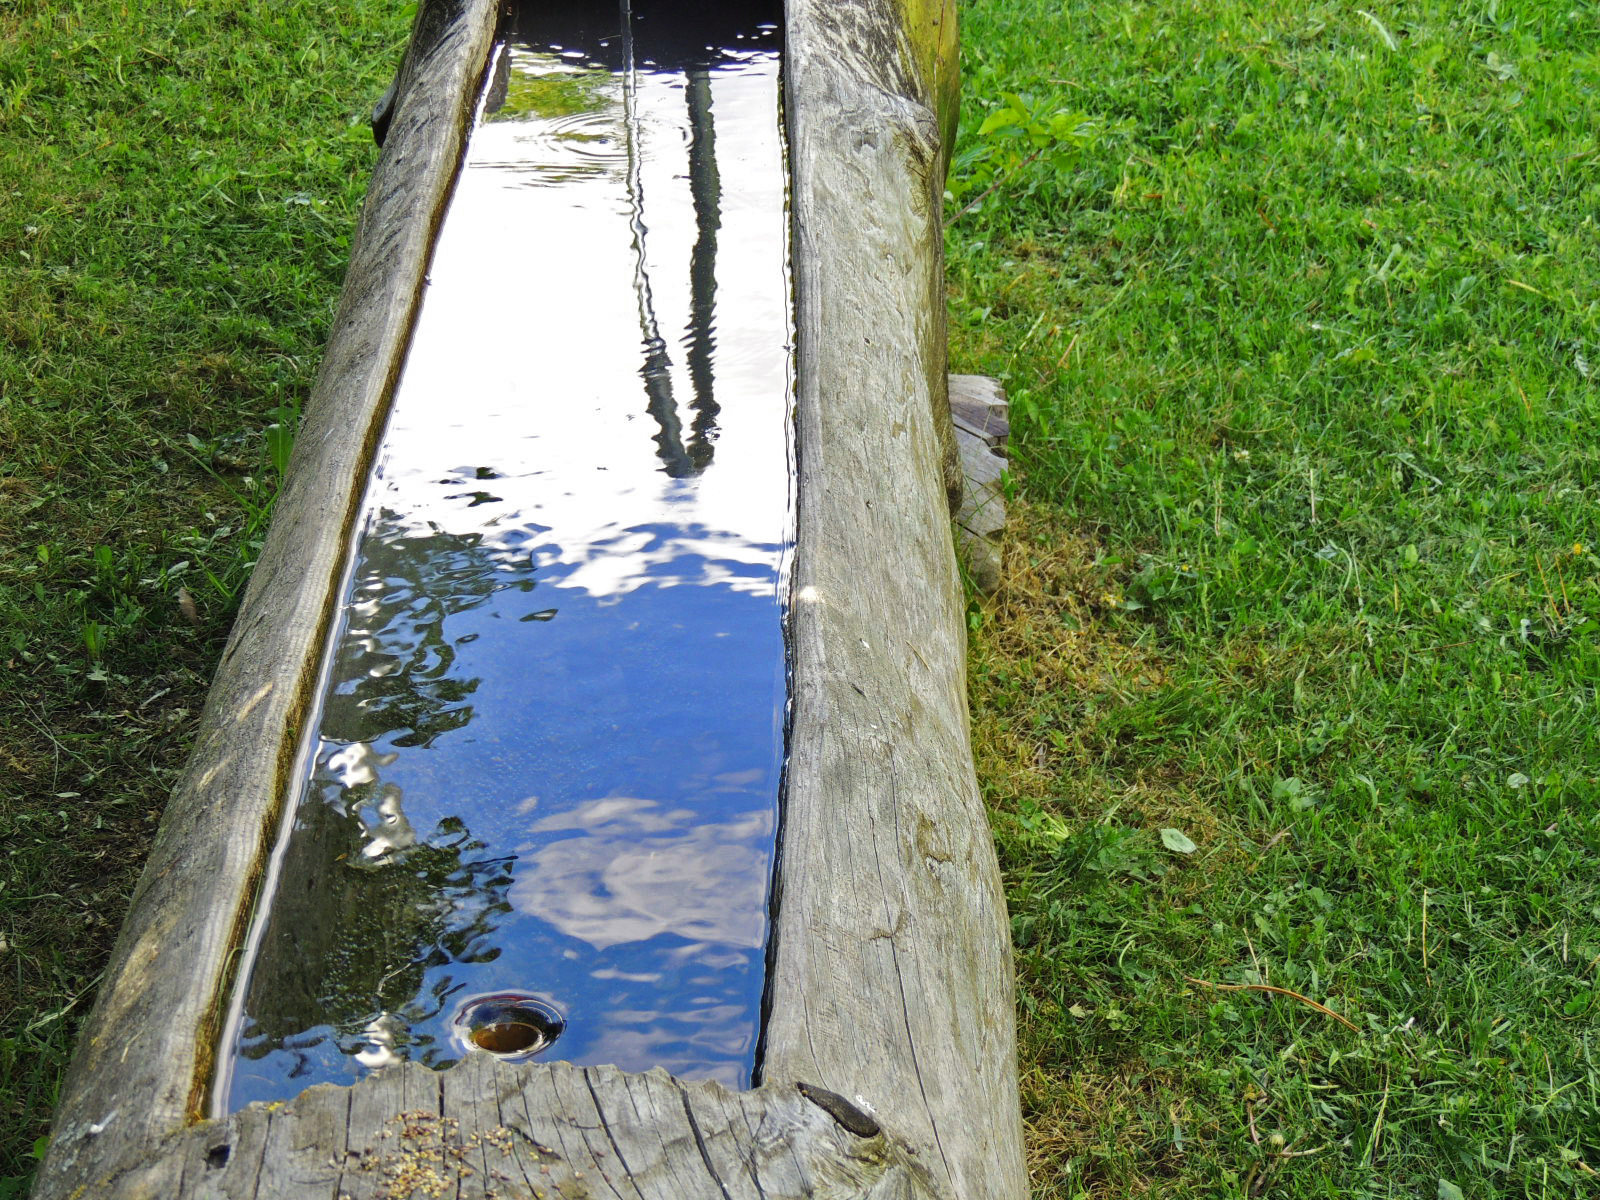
[1274, 990]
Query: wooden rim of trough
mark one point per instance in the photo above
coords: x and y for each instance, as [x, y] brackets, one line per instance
[889, 1061]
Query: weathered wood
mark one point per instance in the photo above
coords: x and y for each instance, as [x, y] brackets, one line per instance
[982, 420]
[488, 1130]
[869, 82]
[146, 1055]
[979, 406]
[892, 966]
[891, 991]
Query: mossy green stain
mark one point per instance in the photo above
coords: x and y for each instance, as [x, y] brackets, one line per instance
[931, 33]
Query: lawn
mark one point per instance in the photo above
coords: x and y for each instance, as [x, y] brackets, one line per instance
[178, 188]
[1291, 683]
[1293, 678]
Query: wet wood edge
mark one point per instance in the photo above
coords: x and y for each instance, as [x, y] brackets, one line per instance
[145, 1056]
[892, 977]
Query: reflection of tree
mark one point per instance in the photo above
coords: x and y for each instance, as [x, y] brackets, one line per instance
[352, 936]
[546, 87]
[673, 36]
[706, 186]
[393, 672]
[680, 460]
[364, 908]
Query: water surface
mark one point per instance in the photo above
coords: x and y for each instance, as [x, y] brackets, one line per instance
[548, 754]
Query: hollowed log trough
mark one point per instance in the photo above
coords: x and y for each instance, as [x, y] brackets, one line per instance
[889, 1065]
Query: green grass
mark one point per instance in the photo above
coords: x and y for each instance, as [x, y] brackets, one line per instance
[1299, 308]
[178, 188]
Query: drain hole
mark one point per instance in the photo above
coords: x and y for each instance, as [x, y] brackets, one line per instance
[511, 1025]
[509, 1037]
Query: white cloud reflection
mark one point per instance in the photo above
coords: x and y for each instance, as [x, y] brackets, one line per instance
[707, 1047]
[633, 871]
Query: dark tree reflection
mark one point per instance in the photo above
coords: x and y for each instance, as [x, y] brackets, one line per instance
[679, 458]
[706, 185]
[356, 943]
[392, 675]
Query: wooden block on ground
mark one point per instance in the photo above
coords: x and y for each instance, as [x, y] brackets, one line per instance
[981, 414]
[978, 404]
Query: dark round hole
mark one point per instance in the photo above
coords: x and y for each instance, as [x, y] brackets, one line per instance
[508, 1037]
[510, 1024]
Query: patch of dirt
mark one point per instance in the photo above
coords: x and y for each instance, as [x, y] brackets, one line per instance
[1043, 658]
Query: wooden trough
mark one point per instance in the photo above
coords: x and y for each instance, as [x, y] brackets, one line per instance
[889, 1062]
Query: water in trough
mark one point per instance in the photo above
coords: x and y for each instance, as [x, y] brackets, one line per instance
[541, 798]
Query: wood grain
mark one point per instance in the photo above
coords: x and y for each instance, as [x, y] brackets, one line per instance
[982, 421]
[145, 1057]
[892, 964]
[488, 1130]
[978, 406]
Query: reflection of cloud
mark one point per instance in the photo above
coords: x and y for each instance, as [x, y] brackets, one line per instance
[574, 457]
[378, 1049]
[626, 976]
[356, 764]
[392, 830]
[704, 1043]
[609, 560]
[636, 871]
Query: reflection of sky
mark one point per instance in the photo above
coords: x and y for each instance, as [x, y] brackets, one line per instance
[549, 639]
[572, 443]
[624, 870]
